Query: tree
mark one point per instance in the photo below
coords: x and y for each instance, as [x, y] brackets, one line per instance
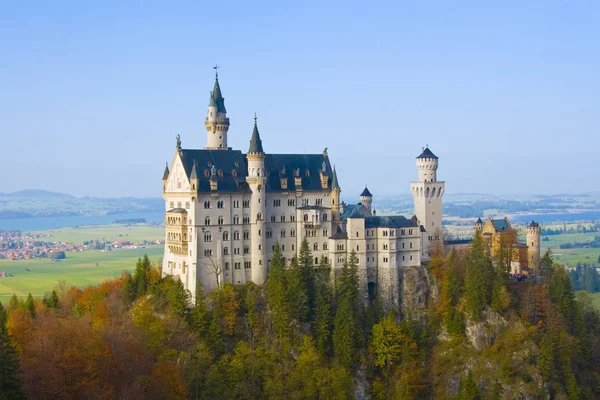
[346, 332]
[129, 288]
[322, 313]
[475, 283]
[217, 269]
[305, 260]
[467, 388]
[53, 301]
[277, 296]
[30, 305]
[10, 381]
[296, 291]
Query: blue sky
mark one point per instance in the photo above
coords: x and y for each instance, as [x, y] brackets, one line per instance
[506, 93]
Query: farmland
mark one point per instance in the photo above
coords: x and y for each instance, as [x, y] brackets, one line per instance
[109, 233]
[78, 269]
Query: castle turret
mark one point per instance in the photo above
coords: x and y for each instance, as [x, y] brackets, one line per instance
[366, 199]
[533, 246]
[256, 180]
[165, 176]
[478, 225]
[427, 194]
[336, 190]
[216, 122]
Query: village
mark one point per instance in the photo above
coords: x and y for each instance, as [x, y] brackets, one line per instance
[17, 245]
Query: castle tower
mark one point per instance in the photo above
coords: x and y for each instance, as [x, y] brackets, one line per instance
[335, 196]
[478, 225]
[256, 180]
[165, 177]
[533, 247]
[366, 198]
[427, 194]
[216, 122]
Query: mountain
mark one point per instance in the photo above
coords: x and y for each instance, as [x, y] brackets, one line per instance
[37, 193]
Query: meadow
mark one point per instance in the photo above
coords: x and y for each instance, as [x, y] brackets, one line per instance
[79, 269]
[572, 256]
[132, 233]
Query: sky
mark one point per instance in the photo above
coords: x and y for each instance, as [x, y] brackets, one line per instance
[506, 93]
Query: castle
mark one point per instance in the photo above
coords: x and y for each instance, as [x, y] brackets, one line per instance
[524, 257]
[226, 210]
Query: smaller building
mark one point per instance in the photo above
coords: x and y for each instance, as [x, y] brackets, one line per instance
[499, 234]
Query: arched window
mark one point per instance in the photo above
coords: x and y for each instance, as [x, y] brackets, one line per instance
[325, 217]
[269, 233]
[356, 233]
[220, 220]
[236, 219]
[325, 246]
[316, 246]
[236, 235]
[225, 235]
[259, 217]
[282, 218]
[246, 235]
[305, 217]
[207, 221]
[225, 251]
[283, 233]
[207, 237]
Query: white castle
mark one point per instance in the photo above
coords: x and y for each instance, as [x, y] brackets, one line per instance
[226, 210]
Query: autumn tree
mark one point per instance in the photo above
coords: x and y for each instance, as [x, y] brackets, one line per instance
[10, 381]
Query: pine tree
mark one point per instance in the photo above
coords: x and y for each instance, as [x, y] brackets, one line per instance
[10, 382]
[30, 305]
[467, 388]
[346, 333]
[129, 289]
[53, 300]
[296, 291]
[305, 260]
[322, 313]
[14, 302]
[141, 277]
[277, 296]
[475, 282]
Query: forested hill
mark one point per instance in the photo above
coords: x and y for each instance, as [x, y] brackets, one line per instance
[296, 337]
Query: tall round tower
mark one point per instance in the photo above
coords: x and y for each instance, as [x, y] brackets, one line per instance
[366, 199]
[533, 246]
[335, 196]
[257, 179]
[216, 122]
[427, 194]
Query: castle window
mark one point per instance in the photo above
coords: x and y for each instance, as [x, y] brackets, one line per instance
[226, 266]
[246, 250]
[207, 204]
[325, 232]
[403, 258]
[172, 204]
[247, 264]
[283, 247]
[178, 204]
[316, 260]
[236, 235]
[325, 217]
[259, 217]
[305, 217]
[316, 246]
[292, 202]
[236, 204]
[282, 218]
[207, 253]
[293, 247]
[187, 205]
[269, 234]
[410, 258]
[356, 233]
[225, 251]
[402, 232]
[283, 233]
[304, 202]
[207, 221]
[403, 245]
[207, 237]
[225, 235]
[220, 220]
[410, 245]
[272, 218]
[220, 204]
[277, 203]
[246, 219]
[319, 202]
[385, 246]
[237, 265]
[325, 246]
[410, 231]
[236, 250]
[357, 248]
[292, 218]
[246, 203]
[292, 232]
[246, 235]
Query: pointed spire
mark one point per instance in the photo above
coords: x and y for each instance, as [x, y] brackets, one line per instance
[334, 180]
[366, 193]
[216, 98]
[166, 173]
[194, 174]
[255, 142]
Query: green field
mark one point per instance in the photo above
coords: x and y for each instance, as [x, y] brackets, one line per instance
[572, 256]
[78, 269]
[132, 233]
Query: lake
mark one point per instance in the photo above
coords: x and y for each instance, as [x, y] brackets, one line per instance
[43, 223]
[563, 217]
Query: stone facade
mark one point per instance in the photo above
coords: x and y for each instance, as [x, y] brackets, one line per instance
[226, 210]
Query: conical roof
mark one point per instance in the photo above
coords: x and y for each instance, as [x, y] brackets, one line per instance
[216, 98]
[427, 154]
[166, 173]
[334, 180]
[366, 193]
[479, 221]
[255, 142]
[194, 175]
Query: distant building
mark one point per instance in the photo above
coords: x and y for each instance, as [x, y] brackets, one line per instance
[524, 257]
[226, 210]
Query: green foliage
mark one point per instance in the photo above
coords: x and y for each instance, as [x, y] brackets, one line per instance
[346, 332]
[30, 305]
[323, 311]
[297, 291]
[53, 301]
[476, 282]
[10, 380]
[306, 263]
[141, 275]
[455, 323]
[467, 388]
[277, 293]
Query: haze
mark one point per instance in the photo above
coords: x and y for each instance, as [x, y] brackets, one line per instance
[92, 94]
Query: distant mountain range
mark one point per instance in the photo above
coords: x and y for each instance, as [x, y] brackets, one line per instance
[33, 203]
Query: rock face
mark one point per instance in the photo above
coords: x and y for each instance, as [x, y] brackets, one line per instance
[415, 288]
[482, 334]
